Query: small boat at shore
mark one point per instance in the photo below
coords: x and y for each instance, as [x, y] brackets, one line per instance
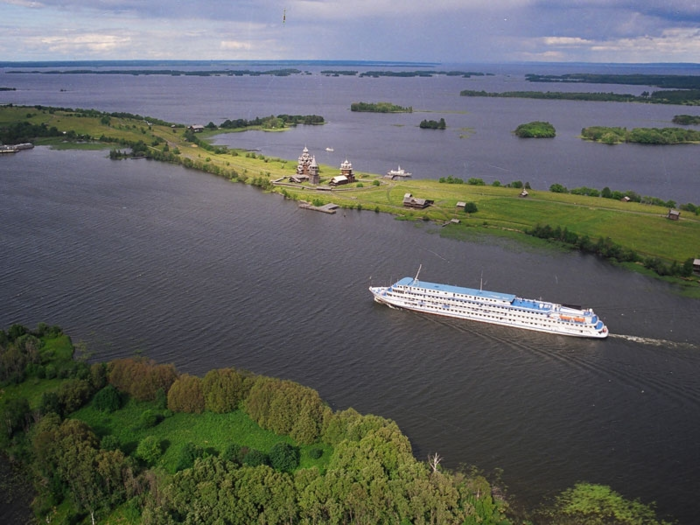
[399, 173]
[490, 307]
[330, 149]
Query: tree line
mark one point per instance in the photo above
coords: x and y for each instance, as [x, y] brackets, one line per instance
[616, 135]
[606, 248]
[690, 97]
[269, 122]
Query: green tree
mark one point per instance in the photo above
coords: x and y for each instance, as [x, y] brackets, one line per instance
[185, 395]
[15, 416]
[107, 400]
[470, 207]
[284, 457]
[223, 389]
[149, 450]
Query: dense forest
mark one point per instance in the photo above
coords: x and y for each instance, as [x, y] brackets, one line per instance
[379, 107]
[537, 130]
[270, 122]
[433, 124]
[134, 441]
[686, 120]
[608, 135]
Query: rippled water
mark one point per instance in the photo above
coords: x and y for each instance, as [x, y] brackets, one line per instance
[136, 256]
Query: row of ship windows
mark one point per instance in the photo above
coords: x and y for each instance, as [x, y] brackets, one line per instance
[427, 297]
[447, 294]
[500, 318]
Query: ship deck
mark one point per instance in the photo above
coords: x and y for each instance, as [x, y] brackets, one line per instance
[409, 281]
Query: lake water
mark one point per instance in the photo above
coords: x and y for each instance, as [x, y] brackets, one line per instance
[478, 142]
[136, 256]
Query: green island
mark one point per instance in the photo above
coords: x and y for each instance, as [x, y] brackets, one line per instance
[686, 120]
[536, 130]
[602, 226]
[663, 81]
[668, 136]
[134, 441]
[422, 73]
[379, 107]
[433, 124]
[687, 97]
[169, 72]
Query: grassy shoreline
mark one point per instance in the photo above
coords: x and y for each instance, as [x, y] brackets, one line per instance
[640, 227]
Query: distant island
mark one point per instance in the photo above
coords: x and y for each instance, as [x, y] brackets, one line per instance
[690, 97]
[662, 81]
[536, 130]
[170, 72]
[686, 120]
[379, 107]
[433, 124]
[658, 136]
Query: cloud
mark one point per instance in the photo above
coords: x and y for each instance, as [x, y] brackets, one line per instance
[235, 45]
[671, 45]
[89, 43]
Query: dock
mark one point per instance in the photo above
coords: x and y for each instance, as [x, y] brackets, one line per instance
[326, 208]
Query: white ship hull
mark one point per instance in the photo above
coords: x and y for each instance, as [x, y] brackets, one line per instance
[490, 307]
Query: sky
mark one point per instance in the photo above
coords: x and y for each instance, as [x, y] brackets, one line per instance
[444, 31]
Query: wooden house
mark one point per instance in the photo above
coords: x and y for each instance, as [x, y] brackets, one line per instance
[412, 202]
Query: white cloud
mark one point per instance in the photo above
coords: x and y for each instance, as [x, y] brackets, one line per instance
[565, 41]
[235, 45]
[91, 43]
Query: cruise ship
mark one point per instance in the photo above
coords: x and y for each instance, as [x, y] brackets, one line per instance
[490, 307]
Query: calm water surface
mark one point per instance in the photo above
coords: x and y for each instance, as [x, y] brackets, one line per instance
[136, 256]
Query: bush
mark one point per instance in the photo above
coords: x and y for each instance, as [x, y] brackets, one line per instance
[188, 454]
[50, 403]
[470, 207]
[284, 457]
[73, 394]
[315, 453]
[107, 400]
[149, 418]
[149, 450]
[109, 442]
[232, 453]
[255, 458]
[558, 188]
[50, 371]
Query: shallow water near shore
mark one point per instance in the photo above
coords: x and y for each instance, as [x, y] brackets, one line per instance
[137, 256]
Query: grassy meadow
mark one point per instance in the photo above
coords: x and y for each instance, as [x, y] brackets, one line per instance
[640, 227]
